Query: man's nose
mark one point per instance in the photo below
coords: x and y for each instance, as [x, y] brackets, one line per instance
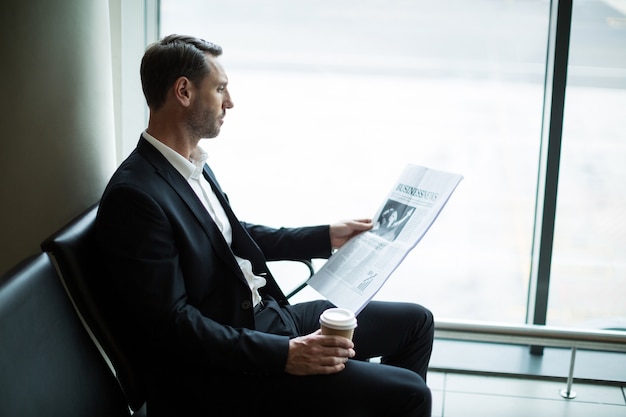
[228, 103]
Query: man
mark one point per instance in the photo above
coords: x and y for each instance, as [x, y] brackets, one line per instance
[216, 334]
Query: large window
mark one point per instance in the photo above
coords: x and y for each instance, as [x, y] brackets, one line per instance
[588, 274]
[333, 98]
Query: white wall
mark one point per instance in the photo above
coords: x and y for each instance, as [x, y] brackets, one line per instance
[57, 143]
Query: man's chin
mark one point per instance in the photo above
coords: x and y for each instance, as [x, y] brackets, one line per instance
[211, 135]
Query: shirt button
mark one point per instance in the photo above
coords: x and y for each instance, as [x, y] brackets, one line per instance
[246, 304]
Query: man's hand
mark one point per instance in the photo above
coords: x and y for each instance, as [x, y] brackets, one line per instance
[341, 232]
[316, 354]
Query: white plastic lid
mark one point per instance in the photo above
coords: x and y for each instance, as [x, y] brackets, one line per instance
[338, 318]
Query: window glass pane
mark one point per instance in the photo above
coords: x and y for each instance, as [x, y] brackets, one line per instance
[333, 98]
[588, 274]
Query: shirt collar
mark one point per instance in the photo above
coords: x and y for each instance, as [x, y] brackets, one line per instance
[188, 168]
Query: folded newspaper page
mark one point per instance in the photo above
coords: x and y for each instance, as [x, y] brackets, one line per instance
[355, 272]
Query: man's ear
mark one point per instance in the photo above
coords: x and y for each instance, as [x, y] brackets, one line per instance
[183, 90]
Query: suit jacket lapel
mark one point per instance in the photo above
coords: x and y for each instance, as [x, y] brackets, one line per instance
[243, 245]
[189, 197]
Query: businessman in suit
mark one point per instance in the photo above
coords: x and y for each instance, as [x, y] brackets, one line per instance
[216, 334]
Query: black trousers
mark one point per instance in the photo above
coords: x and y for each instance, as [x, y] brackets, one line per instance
[401, 334]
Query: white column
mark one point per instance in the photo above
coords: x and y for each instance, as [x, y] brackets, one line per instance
[57, 144]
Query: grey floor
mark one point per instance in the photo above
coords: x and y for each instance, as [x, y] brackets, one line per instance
[464, 395]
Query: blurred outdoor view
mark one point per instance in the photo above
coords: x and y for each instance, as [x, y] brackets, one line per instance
[334, 98]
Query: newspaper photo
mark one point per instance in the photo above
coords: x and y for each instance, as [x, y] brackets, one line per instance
[356, 271]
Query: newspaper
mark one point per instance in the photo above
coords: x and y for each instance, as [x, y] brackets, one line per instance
[356, 271]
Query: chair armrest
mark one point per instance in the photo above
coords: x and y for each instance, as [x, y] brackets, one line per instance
[285, 270]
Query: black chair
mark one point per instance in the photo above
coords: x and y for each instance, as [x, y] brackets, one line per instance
[48, 364]
[73, 250]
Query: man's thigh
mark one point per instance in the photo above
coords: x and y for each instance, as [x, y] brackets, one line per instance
[362, 389]
[306, 316]
[384, 327]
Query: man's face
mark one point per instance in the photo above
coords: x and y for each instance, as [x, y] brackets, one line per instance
[206, 114]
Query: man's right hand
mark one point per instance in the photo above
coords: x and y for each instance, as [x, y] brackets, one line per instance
[316, 354]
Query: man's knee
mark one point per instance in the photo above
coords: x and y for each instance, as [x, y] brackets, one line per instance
[416, 397]
[425, 321]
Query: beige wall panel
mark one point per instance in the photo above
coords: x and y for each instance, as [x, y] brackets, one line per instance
[57, 143]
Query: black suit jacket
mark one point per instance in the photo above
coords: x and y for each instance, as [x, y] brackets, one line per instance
[187, 303]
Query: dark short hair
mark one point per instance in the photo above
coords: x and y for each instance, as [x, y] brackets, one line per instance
[172, 57]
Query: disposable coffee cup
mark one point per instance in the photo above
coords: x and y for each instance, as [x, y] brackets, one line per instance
[338, 321]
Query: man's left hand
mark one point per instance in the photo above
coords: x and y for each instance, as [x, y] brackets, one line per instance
[343, 231]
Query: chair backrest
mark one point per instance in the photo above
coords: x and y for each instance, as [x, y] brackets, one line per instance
[74, 251]
[48, 364]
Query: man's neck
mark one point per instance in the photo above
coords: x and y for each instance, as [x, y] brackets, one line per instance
[177, 140]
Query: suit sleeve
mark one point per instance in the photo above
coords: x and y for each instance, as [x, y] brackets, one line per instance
[279, 244]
